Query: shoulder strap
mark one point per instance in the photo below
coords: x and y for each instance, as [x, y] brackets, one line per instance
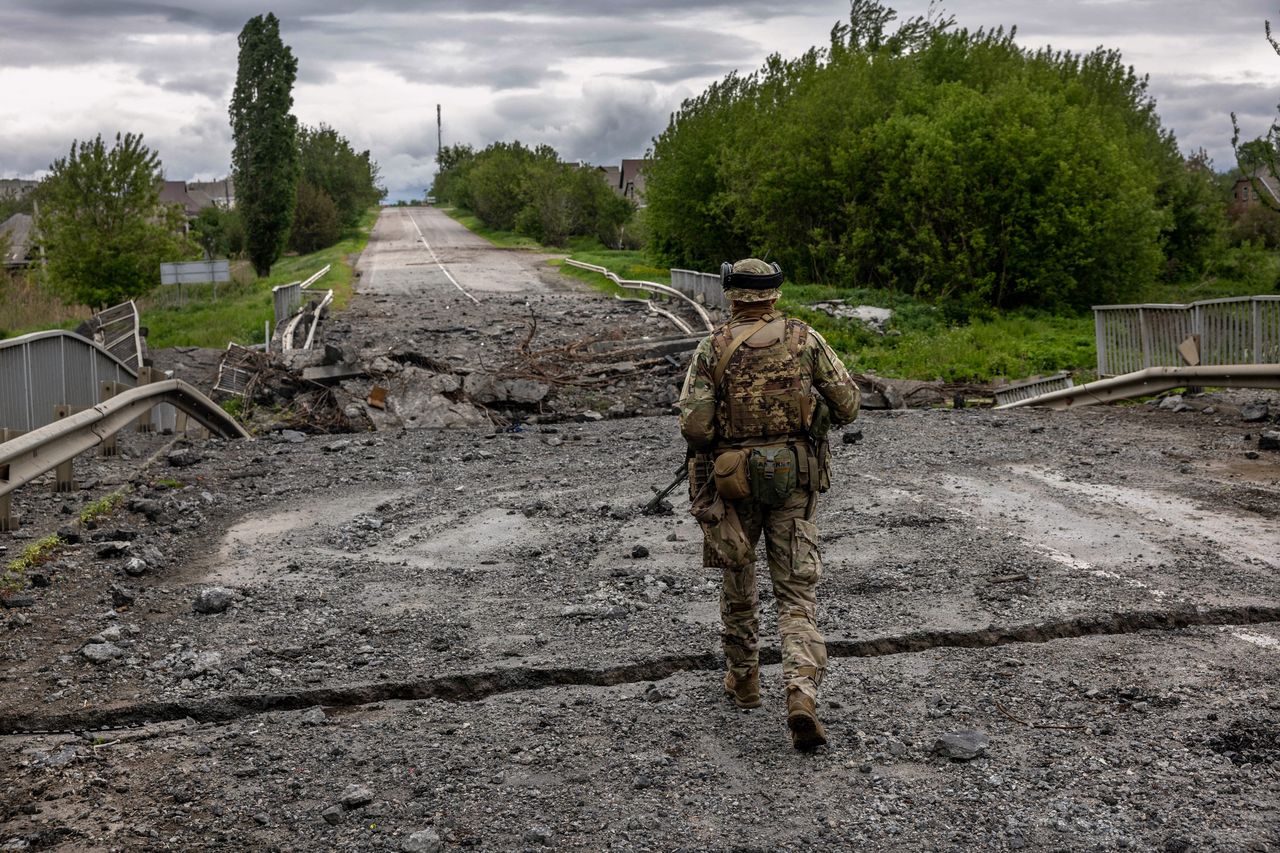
[738, 341]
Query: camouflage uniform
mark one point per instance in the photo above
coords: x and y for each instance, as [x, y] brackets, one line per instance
[791, 538]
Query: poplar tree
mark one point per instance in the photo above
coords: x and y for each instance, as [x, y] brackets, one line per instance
[265, 157]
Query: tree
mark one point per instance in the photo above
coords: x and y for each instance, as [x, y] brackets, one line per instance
[265, 156]
[349, 178]
[315, 220]
[101, 223]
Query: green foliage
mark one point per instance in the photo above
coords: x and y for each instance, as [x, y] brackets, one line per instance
[348, 178]
[102, 507]
[532, 192]
[935, 162]
[1257, 224]
[240, 310]
[315, 220]
[220, 233]
[265, 155]
[34, 555]
[101, 223]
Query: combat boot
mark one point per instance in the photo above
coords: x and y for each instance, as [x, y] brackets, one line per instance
[745, 691]
[807, 733]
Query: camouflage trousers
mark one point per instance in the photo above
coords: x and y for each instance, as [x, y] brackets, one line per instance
[795, 566]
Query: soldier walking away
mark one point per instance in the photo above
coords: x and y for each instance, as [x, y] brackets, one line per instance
[759, 398]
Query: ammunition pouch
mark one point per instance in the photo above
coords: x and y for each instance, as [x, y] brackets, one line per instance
[773, 474]
[732, 480]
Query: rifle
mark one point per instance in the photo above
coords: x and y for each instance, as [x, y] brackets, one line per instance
[652, 506]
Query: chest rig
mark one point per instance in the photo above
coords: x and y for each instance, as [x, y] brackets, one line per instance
[762, 388]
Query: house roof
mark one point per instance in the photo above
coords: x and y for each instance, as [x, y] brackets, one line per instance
[175, 192]
[612, 176]
[212, 193]
[17, 229]
[1268, 182]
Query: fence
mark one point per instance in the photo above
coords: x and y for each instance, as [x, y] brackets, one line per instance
[47, 369]
[702, 286]
[287, 298]
[1239, 330]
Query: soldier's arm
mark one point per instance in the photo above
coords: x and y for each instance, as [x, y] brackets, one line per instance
[833, 382]
[698, 400]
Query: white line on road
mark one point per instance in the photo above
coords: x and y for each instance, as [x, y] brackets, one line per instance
[447, 274]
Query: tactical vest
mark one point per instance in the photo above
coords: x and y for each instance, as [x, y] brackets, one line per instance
[764, 390]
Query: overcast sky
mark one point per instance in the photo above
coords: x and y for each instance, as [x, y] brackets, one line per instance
[596, 79]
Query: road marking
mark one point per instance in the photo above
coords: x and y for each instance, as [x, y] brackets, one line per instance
[447, 274]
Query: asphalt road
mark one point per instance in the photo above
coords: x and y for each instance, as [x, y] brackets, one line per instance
[448, 633]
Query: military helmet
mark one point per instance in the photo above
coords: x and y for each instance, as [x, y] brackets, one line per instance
[751, 280]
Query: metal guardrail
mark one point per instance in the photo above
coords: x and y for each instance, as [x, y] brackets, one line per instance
[650, 286]
[702, 286]
[1239, 330]
[287, 298]
[24, 458]
[43, 370]
[1153, 380]
[117, 330]
[1017, 391]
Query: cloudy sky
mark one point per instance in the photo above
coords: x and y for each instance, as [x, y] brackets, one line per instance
[597, 79]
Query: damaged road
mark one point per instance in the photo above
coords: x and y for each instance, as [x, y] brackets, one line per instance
[1051, 631]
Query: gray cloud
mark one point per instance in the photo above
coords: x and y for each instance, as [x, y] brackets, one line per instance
[507, 70]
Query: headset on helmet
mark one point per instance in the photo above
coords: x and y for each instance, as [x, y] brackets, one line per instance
[750, 281]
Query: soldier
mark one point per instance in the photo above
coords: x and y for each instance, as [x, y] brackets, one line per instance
[760, 395]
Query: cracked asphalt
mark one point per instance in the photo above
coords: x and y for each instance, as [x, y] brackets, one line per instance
[439, 639]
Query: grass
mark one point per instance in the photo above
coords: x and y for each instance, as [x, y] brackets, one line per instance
[36, 554]
[102, 507]
[27, 307]
[241, 309]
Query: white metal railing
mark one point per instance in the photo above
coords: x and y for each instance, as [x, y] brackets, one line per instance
[650, 286]
[1237, 330]
[287, 298]
[1153, 380]
[702, 286]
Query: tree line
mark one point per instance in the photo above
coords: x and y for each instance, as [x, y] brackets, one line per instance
[103, 229]
[941, 162]
[532, 192]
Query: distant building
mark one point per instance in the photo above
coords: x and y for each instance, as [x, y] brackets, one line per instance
[16, 231]
[627, 180]
[195, 196]
[220, 194]
[16, 187]
[1248, 191]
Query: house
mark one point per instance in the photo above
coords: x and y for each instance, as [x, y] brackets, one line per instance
[16, 187]
[175, 193]
[1248, 191]
[16, 232]
[632, 182]
[626, 180]
[220, 194]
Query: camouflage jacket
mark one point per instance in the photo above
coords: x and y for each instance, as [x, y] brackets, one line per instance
[698, 402]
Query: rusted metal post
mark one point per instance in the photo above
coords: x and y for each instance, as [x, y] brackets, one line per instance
[7, 521]
[64, 478]
[106, 390]
[147, 375]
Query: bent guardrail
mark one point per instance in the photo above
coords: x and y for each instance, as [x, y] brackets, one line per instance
[1153, 380]
[28, 456]
[42, 370]
[650, 286]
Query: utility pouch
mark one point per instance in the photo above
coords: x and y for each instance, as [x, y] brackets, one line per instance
[732, 481]
[726, 540]
[773, 474]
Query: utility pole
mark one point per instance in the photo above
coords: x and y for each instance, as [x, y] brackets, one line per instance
[439, 134]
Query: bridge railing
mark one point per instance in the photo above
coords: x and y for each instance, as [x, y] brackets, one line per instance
[1237, 330]
[702, 286]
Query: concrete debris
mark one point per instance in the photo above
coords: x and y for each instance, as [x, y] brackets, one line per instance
[356, 796]
[1269, 440]
[100, 653]
[962, 745]
[873, 318]
[214, 599]
[486, 388]
[1255, 412]
[422, 841]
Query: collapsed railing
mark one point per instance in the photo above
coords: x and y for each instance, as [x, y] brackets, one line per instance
[653, 287]
[290, 314]
[1153, 380]
[55, 445]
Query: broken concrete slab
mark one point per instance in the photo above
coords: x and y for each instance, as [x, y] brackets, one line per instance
[331, 374]
[487, 388]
